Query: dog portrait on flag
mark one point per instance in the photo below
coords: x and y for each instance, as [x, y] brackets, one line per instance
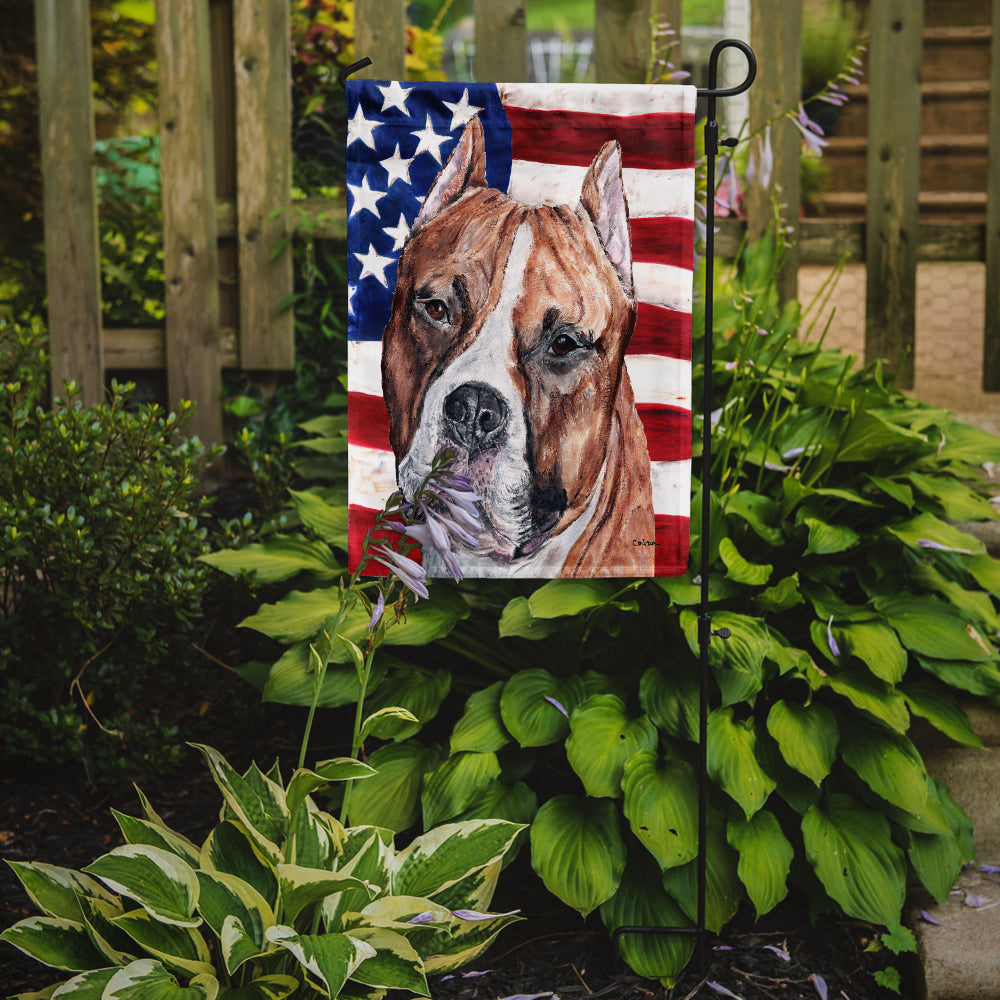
[520, 262]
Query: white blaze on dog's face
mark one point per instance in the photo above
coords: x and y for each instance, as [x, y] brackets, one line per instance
[506, 343]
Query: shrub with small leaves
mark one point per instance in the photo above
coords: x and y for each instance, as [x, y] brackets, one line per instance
[99, 574]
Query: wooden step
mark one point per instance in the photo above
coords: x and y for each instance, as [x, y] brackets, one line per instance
[957, 206]
[945, 103]
[940, 13]
[956, 53]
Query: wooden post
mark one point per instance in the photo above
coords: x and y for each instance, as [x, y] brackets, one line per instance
[893, 184]
[380, 34]
[262, 60]
[622, 40]
[776, 35]
[190, 254]
[501, 41]
[72, 255]
[991, 333]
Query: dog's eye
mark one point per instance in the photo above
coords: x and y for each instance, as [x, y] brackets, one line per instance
[562, 345]
[436, 309]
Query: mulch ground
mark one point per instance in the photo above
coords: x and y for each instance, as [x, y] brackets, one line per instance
[551, 952]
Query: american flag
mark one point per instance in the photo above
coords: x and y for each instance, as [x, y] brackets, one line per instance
[540, 140]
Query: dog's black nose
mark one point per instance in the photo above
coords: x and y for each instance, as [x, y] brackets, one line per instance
[474, 415]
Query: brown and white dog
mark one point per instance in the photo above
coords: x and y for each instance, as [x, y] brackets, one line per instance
[507, 342]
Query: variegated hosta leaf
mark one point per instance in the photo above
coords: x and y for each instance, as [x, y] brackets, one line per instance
[578, 851]
[441, 857]
[535, 706]
[476, 890]
[275, 987]
[315, 838]
[224, 897]
[765, 858]
[807, 736]
[177, 947]
[467, 940]
[642, 902]
[602, 737]
[300, 887]
[481, 727]
[56, 891]
[116, 946]
[395, 964]
[456, 784]
[238, 944]
[230, 849]
[661, 799]
[149, 980]
[86, 986]
[304, 782]
[850, 847]
[54, 941]
[256, 801]
[329, 959]
[141, 831]
[732, 760]
[158, 880]
[367, 853]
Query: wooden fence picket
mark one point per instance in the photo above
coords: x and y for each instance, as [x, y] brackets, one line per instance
[991, 332]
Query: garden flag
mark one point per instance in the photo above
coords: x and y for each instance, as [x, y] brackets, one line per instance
[519, 291]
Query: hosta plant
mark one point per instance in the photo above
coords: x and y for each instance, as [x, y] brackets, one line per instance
[279, 900]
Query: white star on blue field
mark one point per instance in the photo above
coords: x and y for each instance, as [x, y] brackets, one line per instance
[398, 137]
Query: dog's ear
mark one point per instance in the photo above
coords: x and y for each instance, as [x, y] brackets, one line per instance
[602, 200]
[465, 169]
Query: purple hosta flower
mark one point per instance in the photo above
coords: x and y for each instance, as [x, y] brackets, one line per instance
[427, 917]
[465, 975]
[475, 915]
[410, 572]
[834, 648]
[377, 612]
[557, 704]
[727, 197]
[531, 996]
[820, 983]
[990, 869]
[927, 543]
[812, 134]
[780, 952]
[761, 163]
[927, 918]
[719, 988]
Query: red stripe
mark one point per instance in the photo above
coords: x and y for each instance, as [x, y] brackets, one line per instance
[672, 537]
[668, 431]
[367, 421]
[661, 331]
[361, 520]
[652, 142]
[663, 240]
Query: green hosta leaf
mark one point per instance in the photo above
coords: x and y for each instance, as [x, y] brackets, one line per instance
[864, 692]
[279, 558]
[732, 760]
[56, 891]
[325, 519]
[517, 620]
[274, 987]
[850, 848]
[417, 690]
[301, 887]
[481, 728]
[395, 964]
[893, 488]
[758, 511]
[671, 700]
[723, 889]
[807, 736]
[516, 803]
[147, 979]
[738, 569]
[957, 501]
[937, 859]
[661, 799]
[304, 782]
[976, 678]
[928, 528]
[941, 709]
[976, 605]
[141, 831]
[292, 681]
[641, 901]
[159, 881]
[528, 710]
[888, 763]
[440, 858]
[263, 812]
[578, 851]
[876, 646]
[738, 661]
[986, 571]
[870, 435]
[330, 959]
[391, 798]
[456, 784]
[827, 539]
[180, 948]
[230, 849]
[559, 598]
[765, 858]
[783, 595]
[386, 723]
[54, 941]
[602, 738]
[965, 443]
[225, 897]
[932, 628]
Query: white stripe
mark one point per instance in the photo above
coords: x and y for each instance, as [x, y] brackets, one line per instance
[650, 193]
[665, 381]
[364, 366]
[601, 98]
[371, 476]
[672, 487]
[663, 285]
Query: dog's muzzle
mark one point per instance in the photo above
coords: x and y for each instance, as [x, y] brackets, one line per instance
[474, 416]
